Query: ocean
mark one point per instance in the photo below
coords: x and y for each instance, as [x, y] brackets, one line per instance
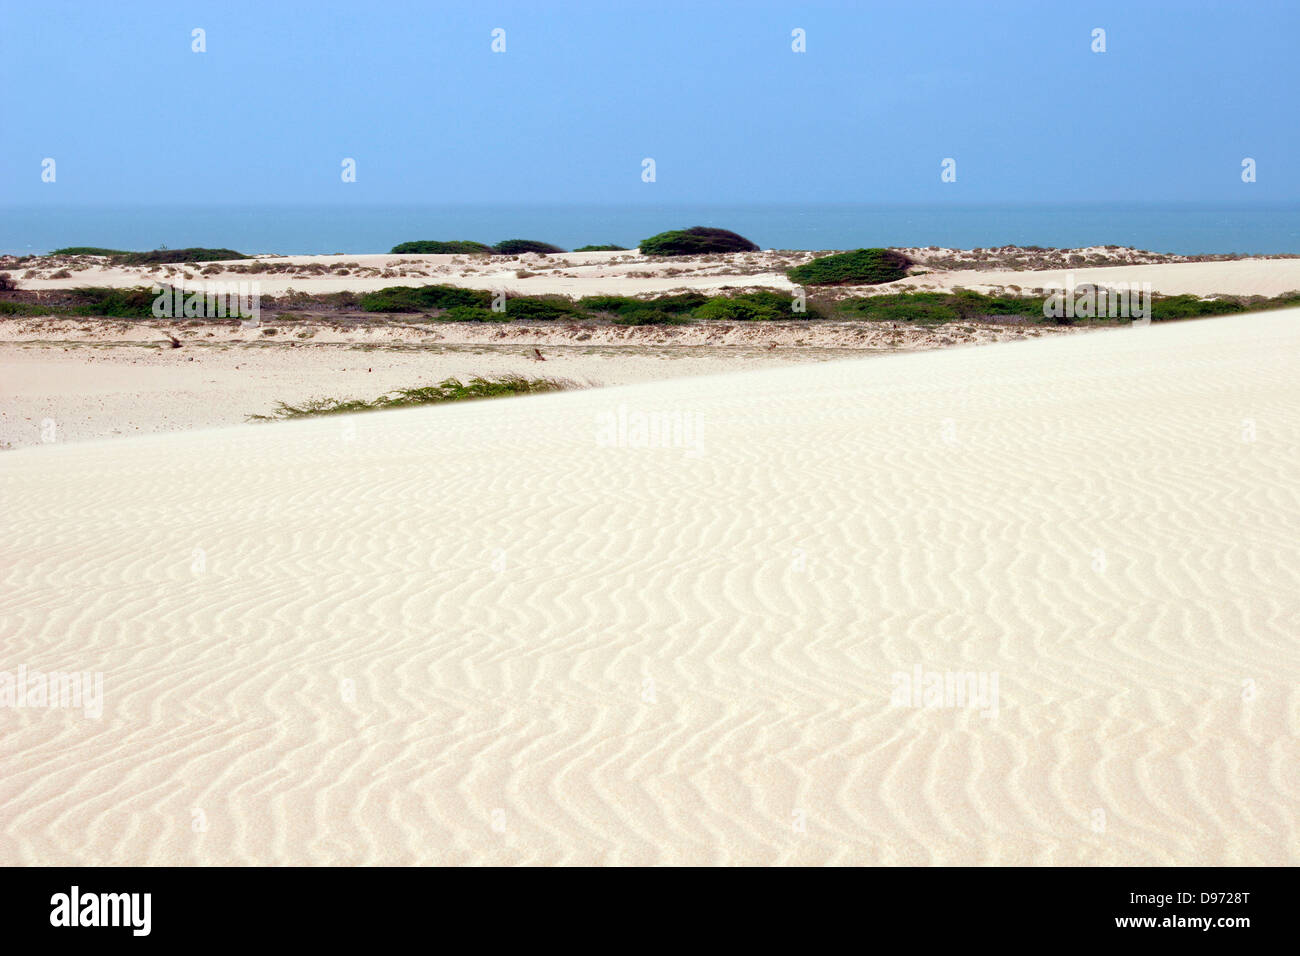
[1186, 228]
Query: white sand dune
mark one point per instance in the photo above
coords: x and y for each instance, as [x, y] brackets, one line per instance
[479, 634]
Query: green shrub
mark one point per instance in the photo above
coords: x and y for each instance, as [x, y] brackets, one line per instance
[1170, 307]
[698, 240]
[762, 306]
[455, 247]
[424, 298]
[730, 310]
[156, 257]
[860, 267]
[164, 256]
[27, 308]
[517, 247]
[133, 303]
[626, 305]
[682, 302]
[472, 313]
[87, 251]
[922, 308]
[538, 308]
[608, 303]
[938, 308]
[605, 248]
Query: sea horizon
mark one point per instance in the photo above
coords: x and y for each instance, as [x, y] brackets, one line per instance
[1182, 228]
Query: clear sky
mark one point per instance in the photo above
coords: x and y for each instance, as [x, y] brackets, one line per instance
[586, 90]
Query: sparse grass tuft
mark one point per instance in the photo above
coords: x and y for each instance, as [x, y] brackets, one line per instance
[448, 390]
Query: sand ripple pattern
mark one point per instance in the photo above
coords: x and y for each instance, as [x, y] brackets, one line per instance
[484, 634]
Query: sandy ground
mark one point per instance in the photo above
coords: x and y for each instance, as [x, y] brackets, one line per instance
[68, 380]
[626, 273]
[72, 380]
[1267, 277]
[526, 631]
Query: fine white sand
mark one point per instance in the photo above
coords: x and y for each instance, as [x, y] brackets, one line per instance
[578, 274]
[1267, 277]
[504, 632]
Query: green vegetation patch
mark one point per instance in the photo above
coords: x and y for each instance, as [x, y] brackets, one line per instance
[87, 251]
[698, 240]
[133, 303]
[517, 247]
[433, 246]
[627, 305]
[938, 308]
[472, 313]
[859, 267]
[156, 257]
[604, 248]
[761, 306]
[539, 307]
[423, 298]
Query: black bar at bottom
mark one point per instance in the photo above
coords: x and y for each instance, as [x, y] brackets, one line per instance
[304, 906]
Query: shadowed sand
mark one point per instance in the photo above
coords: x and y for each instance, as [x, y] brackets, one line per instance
[503, 632]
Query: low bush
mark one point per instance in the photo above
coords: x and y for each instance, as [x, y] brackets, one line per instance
[87, 251]
[517, 247]
[698, 240]
[155, 257]
[472, 313]
[133, 303]
[938, 308]
[538, 308]
[860, 267]
[433, 246]
[623, 305]
[424, 298]
[761, 306]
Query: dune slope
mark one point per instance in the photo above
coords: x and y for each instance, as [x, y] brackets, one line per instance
[509, 632]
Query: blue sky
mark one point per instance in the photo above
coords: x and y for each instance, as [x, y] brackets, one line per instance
[585, 91]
